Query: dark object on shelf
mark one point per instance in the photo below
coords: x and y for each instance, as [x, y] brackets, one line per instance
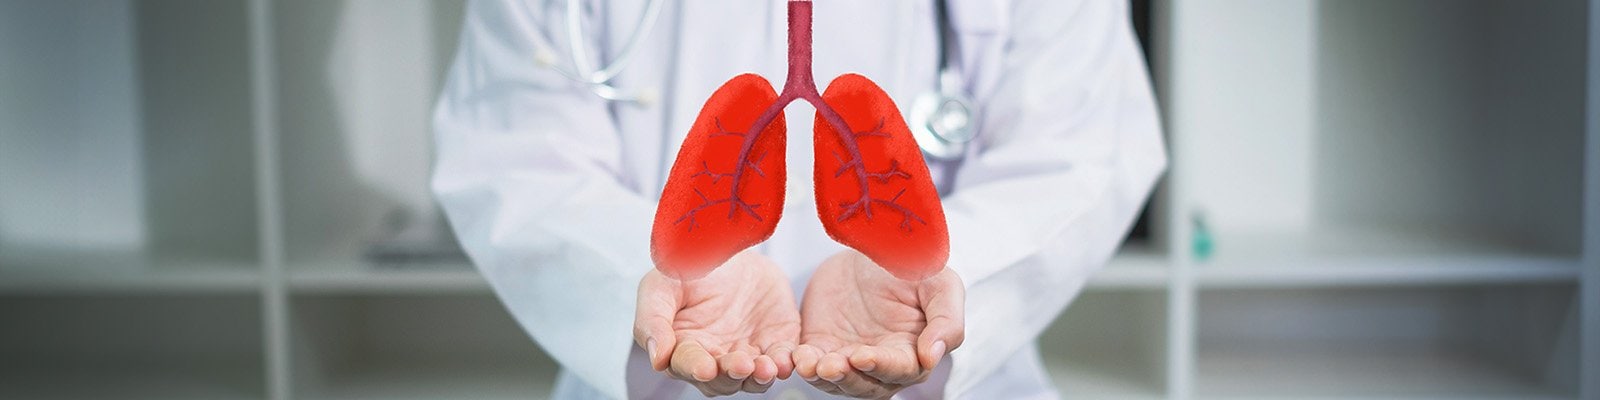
[427, 244]
[415, 254]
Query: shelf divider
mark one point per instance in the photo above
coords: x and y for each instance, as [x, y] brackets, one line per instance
[1589, 297]
[264, 124]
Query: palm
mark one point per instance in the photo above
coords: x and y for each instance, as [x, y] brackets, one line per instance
[741, 307]
[850, 302]
[728, 331]
[869, 334]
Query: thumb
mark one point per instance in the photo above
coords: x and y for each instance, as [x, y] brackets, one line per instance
[655, 309]
[945, 310]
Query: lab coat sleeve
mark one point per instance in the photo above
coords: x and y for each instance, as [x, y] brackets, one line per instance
[528, 170]
[1070, 151]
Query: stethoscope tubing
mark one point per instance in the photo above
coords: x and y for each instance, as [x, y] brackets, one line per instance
[936, 145]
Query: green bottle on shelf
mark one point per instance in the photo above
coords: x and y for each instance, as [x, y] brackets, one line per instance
[1202, 244]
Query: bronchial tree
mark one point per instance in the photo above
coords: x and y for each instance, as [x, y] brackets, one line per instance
[725, 191]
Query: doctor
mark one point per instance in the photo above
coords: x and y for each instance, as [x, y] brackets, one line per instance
[550, 183]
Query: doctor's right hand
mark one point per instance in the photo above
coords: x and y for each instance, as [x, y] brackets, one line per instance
[729, 331]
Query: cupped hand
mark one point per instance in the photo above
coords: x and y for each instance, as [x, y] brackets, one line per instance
[729, 331]
[868, 334]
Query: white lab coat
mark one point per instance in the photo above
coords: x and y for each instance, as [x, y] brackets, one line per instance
[552, 190]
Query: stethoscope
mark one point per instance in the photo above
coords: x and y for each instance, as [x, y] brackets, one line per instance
[941, 121]
[598, 78]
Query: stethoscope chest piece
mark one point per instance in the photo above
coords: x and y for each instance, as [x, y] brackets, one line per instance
[942, 125]
[942, 120]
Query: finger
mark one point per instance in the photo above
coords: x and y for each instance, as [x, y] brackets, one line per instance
[888, 364]
[806, 358]
[722, 384]
[819, 383]
[655, 307]
[655, 347]
[832, 367]
[766, 370]
[690, 361]
[933, 345]
[762, 379]
[945, 308]
[737, 365]
[782, 356]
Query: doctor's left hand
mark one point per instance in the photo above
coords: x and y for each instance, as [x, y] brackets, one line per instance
[868, 334]
[729, 331]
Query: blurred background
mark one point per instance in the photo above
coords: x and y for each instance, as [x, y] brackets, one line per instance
[1368, 198]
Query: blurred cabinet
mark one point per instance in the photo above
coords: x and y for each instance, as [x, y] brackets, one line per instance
[131, 345]
[415, 346]
[1401, 197]
[125, 145]
[1505, 341]
[1395, 192]
[129, 262]
[1111, 343]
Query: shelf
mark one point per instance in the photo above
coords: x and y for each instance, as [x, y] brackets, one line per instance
[382, 345]
[1108, 344]
[1375, 258]
[57, 272]
[353, 276]
[1357, 372]
[137, 346]
[1436, 342]
[1134, 267]
[477, 381]
[1102, 378]
[99, 381]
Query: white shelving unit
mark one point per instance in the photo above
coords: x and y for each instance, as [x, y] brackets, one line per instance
[1395, 195]
[114, 345]
[1441, 342]
[405, 345]
[128, 266]
[1109, 345]
[1403, 197]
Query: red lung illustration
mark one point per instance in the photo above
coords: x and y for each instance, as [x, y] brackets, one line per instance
[873, 189]
[725, 190]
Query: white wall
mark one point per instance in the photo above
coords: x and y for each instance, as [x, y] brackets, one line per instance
[70, 164]
[359, 79]
[1243, 71]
